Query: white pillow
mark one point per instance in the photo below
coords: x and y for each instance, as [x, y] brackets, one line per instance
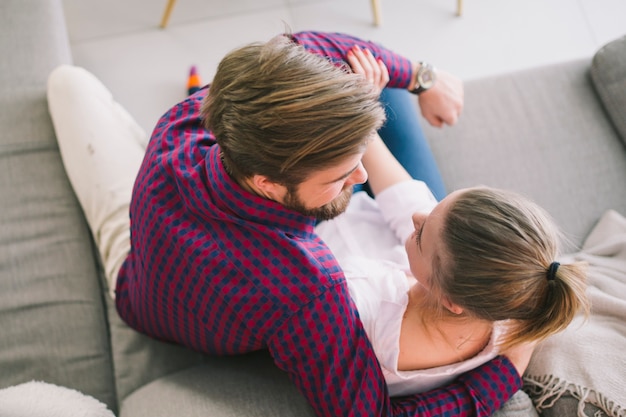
[41, 399]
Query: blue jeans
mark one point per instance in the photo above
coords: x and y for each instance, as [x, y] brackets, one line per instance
[405, 139]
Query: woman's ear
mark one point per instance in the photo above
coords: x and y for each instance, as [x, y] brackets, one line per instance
[453, 308]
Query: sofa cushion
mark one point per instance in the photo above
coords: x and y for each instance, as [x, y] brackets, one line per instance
[233, 386]
[51, 314]
[52, 319]
[139, 359]
[608, 72]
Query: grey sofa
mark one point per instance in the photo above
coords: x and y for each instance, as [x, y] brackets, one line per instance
[543, 132]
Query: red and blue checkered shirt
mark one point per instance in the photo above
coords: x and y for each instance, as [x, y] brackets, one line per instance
[222, 271]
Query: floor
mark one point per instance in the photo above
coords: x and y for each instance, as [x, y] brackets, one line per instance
[146, 67]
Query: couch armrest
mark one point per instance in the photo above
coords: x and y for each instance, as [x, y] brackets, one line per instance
[51, 309]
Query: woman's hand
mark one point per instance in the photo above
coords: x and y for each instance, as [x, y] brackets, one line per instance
[520, 356]
[374, 70]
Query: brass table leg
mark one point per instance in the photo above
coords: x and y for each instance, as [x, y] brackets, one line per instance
[376, 11]
[166, 14]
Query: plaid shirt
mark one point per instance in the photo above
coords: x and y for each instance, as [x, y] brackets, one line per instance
[223, 271]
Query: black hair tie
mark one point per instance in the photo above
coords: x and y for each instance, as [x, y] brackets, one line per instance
[552, 270]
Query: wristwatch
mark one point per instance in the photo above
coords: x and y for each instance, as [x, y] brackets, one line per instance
[424, 78]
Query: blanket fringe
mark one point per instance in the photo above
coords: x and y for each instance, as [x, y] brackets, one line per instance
[545, 390]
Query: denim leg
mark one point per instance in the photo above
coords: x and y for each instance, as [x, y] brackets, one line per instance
[405, 139]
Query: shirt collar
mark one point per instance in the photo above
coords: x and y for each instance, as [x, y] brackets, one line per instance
[230, 197]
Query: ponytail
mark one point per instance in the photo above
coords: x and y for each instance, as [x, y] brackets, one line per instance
[565, 296]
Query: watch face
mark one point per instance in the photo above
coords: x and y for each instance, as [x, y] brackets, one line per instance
[426, 78]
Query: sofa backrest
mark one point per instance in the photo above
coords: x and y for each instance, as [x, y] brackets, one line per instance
[52, 319]
[541, 132]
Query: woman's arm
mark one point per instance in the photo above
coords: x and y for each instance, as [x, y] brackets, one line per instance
[397, 194]
[382, 167]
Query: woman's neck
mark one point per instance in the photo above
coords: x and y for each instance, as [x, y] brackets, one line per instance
[432, 338]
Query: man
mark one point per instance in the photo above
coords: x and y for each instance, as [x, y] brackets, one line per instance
[224, 258]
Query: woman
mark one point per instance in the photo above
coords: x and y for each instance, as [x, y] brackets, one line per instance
[478, 276]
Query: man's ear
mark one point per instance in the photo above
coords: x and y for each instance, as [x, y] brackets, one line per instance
[453, 308]
[268, 189]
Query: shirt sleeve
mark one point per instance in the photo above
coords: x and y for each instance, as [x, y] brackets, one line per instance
[332, 363]
[336, 45]
[398, 203]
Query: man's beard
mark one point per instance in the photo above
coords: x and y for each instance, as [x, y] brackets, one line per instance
[326, 212]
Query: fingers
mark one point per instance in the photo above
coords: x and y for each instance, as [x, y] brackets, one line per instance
[363, 62]
[449, 117]
[384, 73]
[432, 116]
[439, 119]
[354, 59]
[435, 121]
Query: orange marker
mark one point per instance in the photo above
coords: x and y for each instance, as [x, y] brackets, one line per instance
[193, 82]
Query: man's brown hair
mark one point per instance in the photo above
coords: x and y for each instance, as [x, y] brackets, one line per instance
[281, 111]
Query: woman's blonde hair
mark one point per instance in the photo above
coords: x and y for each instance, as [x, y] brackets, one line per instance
[281, 111]
[498, 250]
